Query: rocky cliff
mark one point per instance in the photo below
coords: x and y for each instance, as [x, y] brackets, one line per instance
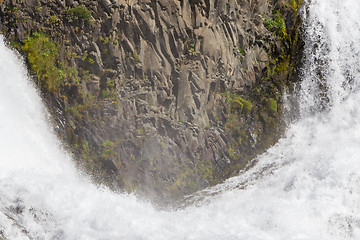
[162, 97]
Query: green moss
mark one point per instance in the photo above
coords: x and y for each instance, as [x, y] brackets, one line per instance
[136, 58]
[42, 55]
[192, 177]
[55, 20]
[294, 4]
[276, 24]
[232, 122]
[79, 12]
[238, 103]
[85, 146]
[111, 84]
[72, 75]
[205, 170]
[241, 51]
[10, 8]
[90, 60]
[181, 180]
[243, 138]
[190, 47]
[231, 153]
[43, 59]
[192, 185]
[108, 149]
[106, 40]
[87, 58]
[105, 93]
[76, 111]
[242, 104]
[140, 131]
[273, 104]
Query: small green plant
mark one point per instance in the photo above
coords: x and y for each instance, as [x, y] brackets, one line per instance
[43, 59]
[294, 4]
[276, 24]
[38, 9]
[76, 111]
[85, 147]
[77, 13]
[241, 104]
[105, 93]
[191, 49]
[108, 149]
[106, 40]
[90, 60]
[55, 20]
[70, 54]
[238, 103]
[140, 131]
[231, 152]
[87, 58]
[42, 53]
[136, 57]
[111, 84]
[205, 170]
[241, 51]
[273, 104]
[10, 8]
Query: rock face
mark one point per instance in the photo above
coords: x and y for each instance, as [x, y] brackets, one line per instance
[167, 96]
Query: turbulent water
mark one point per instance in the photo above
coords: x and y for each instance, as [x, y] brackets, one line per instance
[305, 187]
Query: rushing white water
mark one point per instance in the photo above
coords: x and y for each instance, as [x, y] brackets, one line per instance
[305, 187]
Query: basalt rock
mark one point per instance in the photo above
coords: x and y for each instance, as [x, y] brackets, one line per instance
[170, 96]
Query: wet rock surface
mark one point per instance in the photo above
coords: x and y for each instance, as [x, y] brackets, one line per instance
[169, 97]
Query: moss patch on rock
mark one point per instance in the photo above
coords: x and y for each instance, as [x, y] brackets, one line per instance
[77, 13]
[42, 55]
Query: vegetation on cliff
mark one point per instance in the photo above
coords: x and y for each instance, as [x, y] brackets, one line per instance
[43, 58]
[260, 126]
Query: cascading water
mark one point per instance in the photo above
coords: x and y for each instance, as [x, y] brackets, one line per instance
[305, 187]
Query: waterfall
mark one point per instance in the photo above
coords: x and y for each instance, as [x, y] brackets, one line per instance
[305, 187]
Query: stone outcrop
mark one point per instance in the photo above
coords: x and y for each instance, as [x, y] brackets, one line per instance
[168, 96]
